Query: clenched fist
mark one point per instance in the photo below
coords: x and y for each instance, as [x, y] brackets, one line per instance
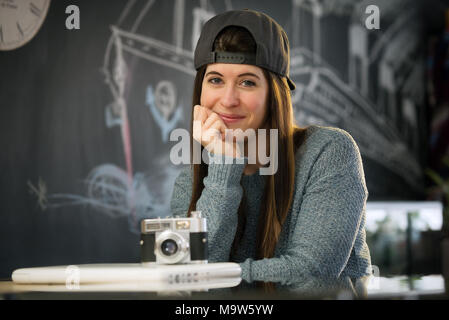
[213, 134]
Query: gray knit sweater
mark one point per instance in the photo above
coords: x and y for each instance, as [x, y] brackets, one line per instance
[322, 244]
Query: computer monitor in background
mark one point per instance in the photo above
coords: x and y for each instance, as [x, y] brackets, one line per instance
[404, 237]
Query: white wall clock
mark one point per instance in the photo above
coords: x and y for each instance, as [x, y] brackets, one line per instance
[20, 20]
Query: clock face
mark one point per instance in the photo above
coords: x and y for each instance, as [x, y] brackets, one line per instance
[20, 20]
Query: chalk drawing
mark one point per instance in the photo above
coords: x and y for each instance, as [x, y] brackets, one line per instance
[110, 189]
[40, 192]
[381, 113]
[327, 99]
[161, 104]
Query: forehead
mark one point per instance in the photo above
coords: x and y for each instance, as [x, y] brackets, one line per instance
[230, 69]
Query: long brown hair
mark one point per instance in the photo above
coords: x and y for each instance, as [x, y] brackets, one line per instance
[278, 192]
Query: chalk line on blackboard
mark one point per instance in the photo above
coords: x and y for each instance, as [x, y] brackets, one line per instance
[109, 192]
[40, 191]
[325, 94]
[162, 106]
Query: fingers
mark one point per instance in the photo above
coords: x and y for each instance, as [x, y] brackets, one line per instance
[207, 118]
[199, 117]
[213, 128]
[200, 113]
[216, 129]
[213, 119]
[208, 127]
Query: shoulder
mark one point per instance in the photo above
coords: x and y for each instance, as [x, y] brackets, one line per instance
[319, 139]
[329, 147]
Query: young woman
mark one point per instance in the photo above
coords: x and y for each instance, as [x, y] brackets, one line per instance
[300, 228]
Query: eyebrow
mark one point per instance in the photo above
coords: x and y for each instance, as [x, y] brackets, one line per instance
[240, 75]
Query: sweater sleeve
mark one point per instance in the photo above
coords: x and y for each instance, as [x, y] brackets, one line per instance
[182, 193]
[218, 203]
[327, 222]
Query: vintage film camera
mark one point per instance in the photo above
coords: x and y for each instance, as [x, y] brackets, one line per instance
[174, 240]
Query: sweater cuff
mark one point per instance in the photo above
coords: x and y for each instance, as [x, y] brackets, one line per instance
[224, 159]
[226, 170]
[246, 270]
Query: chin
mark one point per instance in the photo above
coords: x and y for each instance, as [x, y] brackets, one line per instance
[235, 126]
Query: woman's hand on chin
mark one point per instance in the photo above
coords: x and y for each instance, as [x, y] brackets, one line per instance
[213, 134]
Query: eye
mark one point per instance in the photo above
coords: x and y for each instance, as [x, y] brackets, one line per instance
[248, 83]
[215, 80]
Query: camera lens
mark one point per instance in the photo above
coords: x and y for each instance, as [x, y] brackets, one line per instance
[169, 247]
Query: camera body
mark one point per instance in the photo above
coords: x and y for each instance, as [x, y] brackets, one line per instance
[174, 240]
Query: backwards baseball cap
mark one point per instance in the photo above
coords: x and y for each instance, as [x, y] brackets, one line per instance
[272, 46]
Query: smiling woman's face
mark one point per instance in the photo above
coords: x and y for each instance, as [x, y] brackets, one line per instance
[237, 93]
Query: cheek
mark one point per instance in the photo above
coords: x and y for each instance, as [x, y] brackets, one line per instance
[207, 99]
[256, 107]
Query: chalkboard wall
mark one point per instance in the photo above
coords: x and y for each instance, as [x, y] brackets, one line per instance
[85, 115]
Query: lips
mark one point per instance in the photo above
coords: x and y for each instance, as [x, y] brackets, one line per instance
[230, 118]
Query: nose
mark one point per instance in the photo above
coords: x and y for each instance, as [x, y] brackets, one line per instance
[230, 96]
